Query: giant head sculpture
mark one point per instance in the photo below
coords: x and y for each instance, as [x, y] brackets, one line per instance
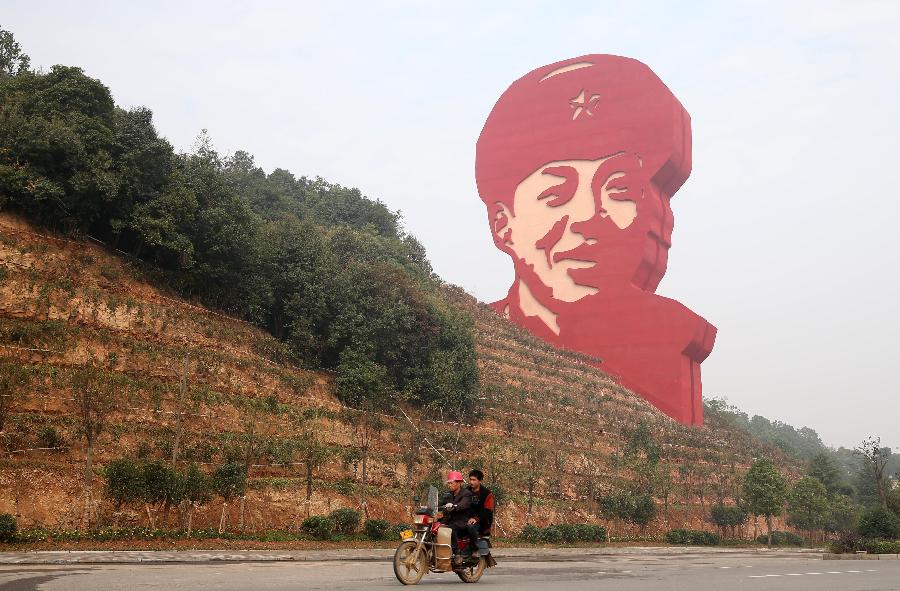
[577, 164]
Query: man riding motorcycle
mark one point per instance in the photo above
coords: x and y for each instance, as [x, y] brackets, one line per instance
[456, 510]
[481, 521]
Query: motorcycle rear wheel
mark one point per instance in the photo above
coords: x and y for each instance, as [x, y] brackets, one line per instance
[407, 571]
[473, 573]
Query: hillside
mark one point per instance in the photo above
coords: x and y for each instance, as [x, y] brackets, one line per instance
[549, 431]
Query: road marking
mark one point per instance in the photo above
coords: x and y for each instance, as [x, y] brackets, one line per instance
[762, 576]
[831, 572]
[724, 567]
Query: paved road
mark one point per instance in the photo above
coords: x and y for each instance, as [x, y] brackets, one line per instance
[627, 572]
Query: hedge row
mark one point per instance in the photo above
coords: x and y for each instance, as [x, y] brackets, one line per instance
[564, 533]
[781, 538]
[692, 537]
[341, 522]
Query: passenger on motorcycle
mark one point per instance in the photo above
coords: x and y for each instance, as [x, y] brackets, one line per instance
[483, 504]
[457, 508]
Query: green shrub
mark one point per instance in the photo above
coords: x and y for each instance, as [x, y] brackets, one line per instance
[847, 542]
[852, 542]
[376, 529]
[346, 521]
[7, 527]
[879, 523]
[531, 533]
[49, 437]
[882, 547]
[781, 538]
[728, 515]
[552, 534]
[691, 537]
[344, 486]
[318, 526]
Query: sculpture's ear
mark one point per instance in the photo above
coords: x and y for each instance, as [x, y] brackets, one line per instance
[501, 216]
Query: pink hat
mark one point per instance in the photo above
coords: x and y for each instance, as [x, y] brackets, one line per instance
[455, 476]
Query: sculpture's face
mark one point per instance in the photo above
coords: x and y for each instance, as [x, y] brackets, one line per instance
[570, 217]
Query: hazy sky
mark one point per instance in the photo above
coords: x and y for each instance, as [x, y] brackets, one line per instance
[785, 235]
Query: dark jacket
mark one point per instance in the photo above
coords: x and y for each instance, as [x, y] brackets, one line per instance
[483, 504]
[463, 510]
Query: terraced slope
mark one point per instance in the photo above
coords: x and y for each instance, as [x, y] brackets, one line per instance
[549, 432]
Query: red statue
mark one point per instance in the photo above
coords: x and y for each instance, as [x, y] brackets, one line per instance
[576, 164]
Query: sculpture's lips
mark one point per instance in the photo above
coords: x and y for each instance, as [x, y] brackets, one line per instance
[585, 253]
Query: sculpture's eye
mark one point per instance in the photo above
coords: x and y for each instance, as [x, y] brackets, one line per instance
[560, 193]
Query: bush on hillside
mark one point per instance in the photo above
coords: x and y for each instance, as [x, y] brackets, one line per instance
[689, 537]
[346, 521]
[7, 528]
[376, 529]
[564, 533]
[318, 526]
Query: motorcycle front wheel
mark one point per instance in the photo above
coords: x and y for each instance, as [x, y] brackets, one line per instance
[409, 572]
[471, 574]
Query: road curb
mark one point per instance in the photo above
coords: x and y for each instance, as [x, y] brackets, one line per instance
[49, 557]
[861, 556]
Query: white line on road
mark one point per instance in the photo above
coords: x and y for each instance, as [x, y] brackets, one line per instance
[831, 572]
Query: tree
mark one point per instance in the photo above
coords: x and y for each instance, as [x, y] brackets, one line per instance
[728, 516]
[124, 482]
[642, 456]
[313, 454]
[764, 490]
[94, 398]
[534, 457]
[823, 468]
[807, 504]
[642, 512]
[12, 61]
[195, 490]
[367, 425]
[879, 523]
[875, 459]
[160, 487]
[843, 514]
[229, 481]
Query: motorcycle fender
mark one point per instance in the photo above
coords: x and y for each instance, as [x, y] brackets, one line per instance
[443, 551]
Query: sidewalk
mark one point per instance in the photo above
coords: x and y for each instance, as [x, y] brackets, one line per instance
[368, 555]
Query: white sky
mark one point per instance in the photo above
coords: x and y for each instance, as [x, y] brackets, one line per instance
[785, 232]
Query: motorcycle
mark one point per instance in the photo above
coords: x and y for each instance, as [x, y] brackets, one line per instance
[427, 548]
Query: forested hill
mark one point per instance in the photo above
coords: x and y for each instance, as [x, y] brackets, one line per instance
[324, 269]
[324, 364]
